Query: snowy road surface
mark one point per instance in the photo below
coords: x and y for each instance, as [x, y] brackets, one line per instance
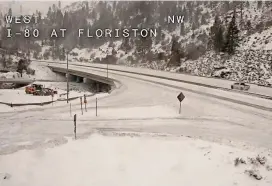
[223, 83]
[139, 107]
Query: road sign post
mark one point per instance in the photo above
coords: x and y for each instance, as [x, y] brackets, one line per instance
[81, 105]
[180, 98]
[52, 98]
[85, 102]
[75, 125]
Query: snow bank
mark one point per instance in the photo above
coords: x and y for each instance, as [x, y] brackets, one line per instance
[19, 96]
[125, 161]
[44, 73]
[158, 111]
[10, 75]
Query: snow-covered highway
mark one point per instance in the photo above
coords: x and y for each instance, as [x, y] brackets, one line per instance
[179, 77]
[138, 106]
[138, 99]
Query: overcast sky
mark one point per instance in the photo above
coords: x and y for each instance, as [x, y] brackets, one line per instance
[29, 7]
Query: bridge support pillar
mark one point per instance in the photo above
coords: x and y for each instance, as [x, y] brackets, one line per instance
[97, 87]
[86, 80]
[71, 77]
[79, 79]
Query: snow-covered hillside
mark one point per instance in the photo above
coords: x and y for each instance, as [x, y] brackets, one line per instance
[184, 47]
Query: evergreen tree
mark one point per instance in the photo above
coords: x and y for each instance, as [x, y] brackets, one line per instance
[59, 5]
[185, 13]
[267, 3]
[196, 20]
[114, 5]
[193, 26]
[93, 14]
[65, 22]
[217, 35]
[54, 8]
[175, 45]
[87, 6]
[247, 4]
[203, 20]
[241, 10]
[10, 12]
[232, 37]
[259, 4]
[182, 29]
[143, 44]
[59, 17]
[249, 27]
[39, 17]
[226, 6]
[49, 13]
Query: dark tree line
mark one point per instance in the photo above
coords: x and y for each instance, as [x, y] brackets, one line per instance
[225, 38]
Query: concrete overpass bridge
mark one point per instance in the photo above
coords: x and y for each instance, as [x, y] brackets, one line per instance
[101, 82]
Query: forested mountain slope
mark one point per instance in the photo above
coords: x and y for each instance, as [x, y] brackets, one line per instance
[231, 40]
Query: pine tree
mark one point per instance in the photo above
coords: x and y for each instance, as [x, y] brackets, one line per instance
[232, 37]
[226, 6]
[59, 17]
[10, 12]
[54, 8]
[203, 20]
[185, 13]
[259, 4]
[39, 16]
[143, 44]
[241, 10]
[175, 45]
[87, 6]
[49, 13]
[196, 20]
[217, 35]
[175, 53]
[59, 5]
[114, 5]
[182, 29]
[220, 38]
[65, 22]
[247, 4]
[193, 26]
[249, 27]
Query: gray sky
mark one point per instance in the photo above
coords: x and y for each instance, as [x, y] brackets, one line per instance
[30, 7]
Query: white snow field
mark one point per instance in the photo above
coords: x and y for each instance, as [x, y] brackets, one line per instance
[56, 82]
[18, 96]
[147, 161]
[36, 147]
